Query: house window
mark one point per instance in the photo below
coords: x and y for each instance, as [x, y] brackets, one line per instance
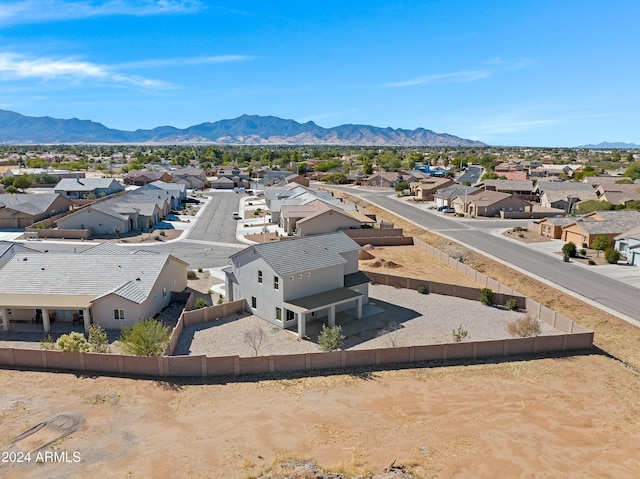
[254, 302]
[164, 293]
[118, 314]
[260, 277]
[279, 314]
[276, 282]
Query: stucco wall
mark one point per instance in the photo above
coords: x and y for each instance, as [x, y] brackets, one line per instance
[99, 222]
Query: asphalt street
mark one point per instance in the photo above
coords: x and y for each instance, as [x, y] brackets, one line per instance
[476, 234]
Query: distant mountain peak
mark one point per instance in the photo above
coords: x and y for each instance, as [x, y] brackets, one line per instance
[611, 146]
[243, 130]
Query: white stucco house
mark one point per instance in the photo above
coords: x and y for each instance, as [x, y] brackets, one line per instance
[107, 285]
[290, 282]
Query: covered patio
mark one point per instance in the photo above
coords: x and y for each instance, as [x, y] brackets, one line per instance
[44, 309]
[299, 311]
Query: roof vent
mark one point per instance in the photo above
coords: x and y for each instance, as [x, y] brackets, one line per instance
[138, 279]
[24, 259]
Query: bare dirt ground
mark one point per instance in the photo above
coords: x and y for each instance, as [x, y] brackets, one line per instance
[556, 417]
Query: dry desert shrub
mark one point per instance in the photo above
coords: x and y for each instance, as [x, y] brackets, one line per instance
[524, 327]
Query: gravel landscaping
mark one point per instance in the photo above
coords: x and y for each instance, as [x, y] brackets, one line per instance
[423, 319]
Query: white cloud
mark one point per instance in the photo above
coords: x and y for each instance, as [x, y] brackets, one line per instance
[185, 61]
[15, 66]
[455, 77]
[39, 11]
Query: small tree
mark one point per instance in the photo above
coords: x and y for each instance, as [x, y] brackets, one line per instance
[23, 182]
[148, 337]
[201, 303]
[48, 343]
[254, 338]
[600, 243]
[459, 334]
[512, 304]
[569, 249]
[331, 339]
[401, 186]
[73, 342]
[486, 296]
[612, 255]
[98, 339]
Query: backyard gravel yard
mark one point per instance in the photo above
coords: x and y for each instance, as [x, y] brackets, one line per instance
[403, 318]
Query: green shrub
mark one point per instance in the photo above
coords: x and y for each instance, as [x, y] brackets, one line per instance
[459, 334]
[591, 262]
[199, 270]
[98, 339]
[612, 255]
[583, 252]
[48, 343]
[512, 304]
[148, 337]
[569, 249]
[201, 303]
[331, 339]
[73, 343]
[191, 274]
[486, 296]
[422, 290]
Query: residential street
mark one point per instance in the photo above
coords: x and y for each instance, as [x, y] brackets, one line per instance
[477, 234]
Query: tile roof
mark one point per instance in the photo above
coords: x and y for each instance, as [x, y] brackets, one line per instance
[452, 191]
[509, 185]
[305, 254]
[29, 204]
[86, 184]
[110, 269]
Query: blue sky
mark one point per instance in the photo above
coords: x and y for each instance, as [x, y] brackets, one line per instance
[543, 73]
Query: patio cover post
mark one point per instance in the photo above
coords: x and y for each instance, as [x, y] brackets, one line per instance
[45, 320]
[5, 319]
[332, 315]
[359, 307]
[85, 316]
[301, 324]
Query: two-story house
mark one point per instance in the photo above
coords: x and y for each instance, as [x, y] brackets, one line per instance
[290, 282]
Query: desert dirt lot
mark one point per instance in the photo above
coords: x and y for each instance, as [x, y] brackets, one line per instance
[555, 417]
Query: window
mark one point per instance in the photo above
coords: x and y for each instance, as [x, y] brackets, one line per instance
[279, 314]
[276, 282]
[164, 293]
[260, 277]
[118, 314]
[254, 302]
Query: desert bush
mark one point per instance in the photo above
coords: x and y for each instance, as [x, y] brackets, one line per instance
[569, 249]
[201, 303]
[48, 343]
[331, 339]
[191, 274]
[459, 334]
[591, 262]
[512, 304]
[199, 270]
[612, 255]
[254, 338]
[524, 327]
[98, 339]
[73, 342]
[422, 290]
[486, 296]
[148, 337]
[583, 252]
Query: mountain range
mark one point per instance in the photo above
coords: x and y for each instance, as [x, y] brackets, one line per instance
[244, 130]
[610, 146]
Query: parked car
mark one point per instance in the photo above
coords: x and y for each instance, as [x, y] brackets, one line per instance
[236, 216]
[448, 209]
[441, 207]
[195, 201]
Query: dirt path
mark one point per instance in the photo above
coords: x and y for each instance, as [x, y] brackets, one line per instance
[567, 417]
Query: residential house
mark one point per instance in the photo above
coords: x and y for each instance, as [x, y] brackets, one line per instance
[175, 192]
[317, 217]
[60, 174]
[425, 188]
[193, 178]
[542, 186]
[511, 170]
[86, 188]
[272, 177]
[585, 229]
[298, 179]
[444, 196]
[294, 194]
[293, 281]
[239, 178]
[141, 178]
[552, 227]
[106, 285]
[523, 189]
[488, 203]
[566, 199]
[618, 194]
[21, 210]
[628, 243]
[387, 180]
